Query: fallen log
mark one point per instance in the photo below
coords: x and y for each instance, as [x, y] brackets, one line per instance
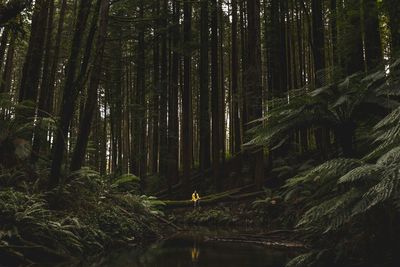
[228, 196]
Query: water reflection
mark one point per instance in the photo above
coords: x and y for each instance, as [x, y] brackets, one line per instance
[195, 252]
[196, 249]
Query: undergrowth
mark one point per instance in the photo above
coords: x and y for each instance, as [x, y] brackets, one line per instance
[81, 218]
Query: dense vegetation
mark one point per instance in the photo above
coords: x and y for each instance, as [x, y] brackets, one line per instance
[283, 111]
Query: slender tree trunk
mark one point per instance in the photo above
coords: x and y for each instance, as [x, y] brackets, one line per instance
[215, 98]
[43, 109]
[318, 43]
[254, 81]
[157, 87]
[69, 95]
[164, 98]
[5, 85]
[3, 46]
[333, 19]
[352, 58]
[56, 55]
[372, 38]
[33, 60]
[91, 100]
[187, 116]
[205, 161]
[235, 79]
[221, 104]
[173, 124]
[140, 131]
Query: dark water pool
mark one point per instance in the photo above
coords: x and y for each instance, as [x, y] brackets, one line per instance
[197, 249]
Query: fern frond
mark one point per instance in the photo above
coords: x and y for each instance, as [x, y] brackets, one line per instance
[327, 171]
[303, 260]
[387, 188]
[386, 134]
[390, 158]
[331, 213]
[362, 173]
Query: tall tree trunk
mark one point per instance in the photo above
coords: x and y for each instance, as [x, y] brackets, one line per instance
[91, 100]
[221, 104]
[3, 46]
[187, 116]
[254, 81]
[333, 19]
[5, 85]
[372, 38]
[157, 87]
[69, 95]
[164, 97]
[318, 48]
[56, 56]
[33, 60]
[215, 97]
[205, 161]
[318, 43]
[352, 46]
[275, 52]
[173, 124]
[140, 131]
[235, 80]
[43, 109]
[243, 48]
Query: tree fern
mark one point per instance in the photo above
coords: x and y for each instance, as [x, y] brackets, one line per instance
[330, 170]
[379, 193]
[386, 134]
[330, 214]
[303, 260]
[390, 158]
[362, 173]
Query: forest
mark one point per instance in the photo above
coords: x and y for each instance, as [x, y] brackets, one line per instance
[200, 133]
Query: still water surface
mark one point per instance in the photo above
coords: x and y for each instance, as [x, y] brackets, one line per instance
[197, 249]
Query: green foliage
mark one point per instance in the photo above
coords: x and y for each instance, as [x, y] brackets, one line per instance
[127, 182]
[83, 216]
[386, 134]
[339, 106]
[345, 192]
[215, 216]
[341, 197]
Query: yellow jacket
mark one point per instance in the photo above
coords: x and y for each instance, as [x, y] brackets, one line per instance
[195, 197]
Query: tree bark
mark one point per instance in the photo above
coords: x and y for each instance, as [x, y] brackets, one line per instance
[215, 98]
[235, 80]
[69, 95]
[8, 67]
[157, 88]
[352, 47]
[372, 39]
[173, 124]
[163, 162]
[43, 109]
[33, 60]
[205, 160]
[187, 116]
[3, 46]
[91, 100]
[254, 81]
